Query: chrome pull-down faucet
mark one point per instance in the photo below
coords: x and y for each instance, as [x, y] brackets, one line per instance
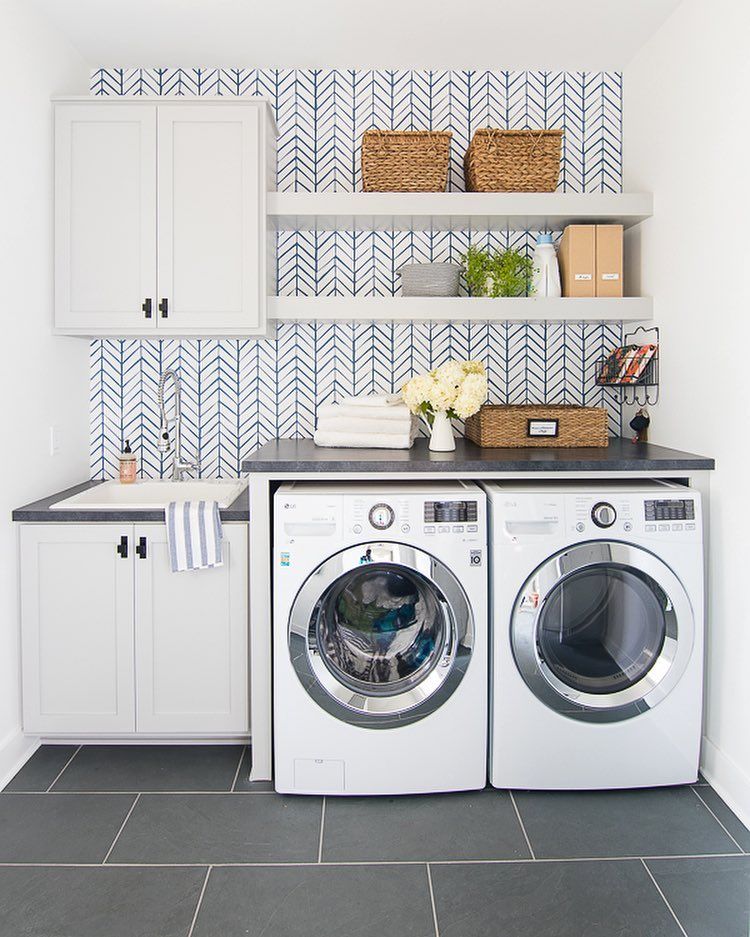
[180, 468]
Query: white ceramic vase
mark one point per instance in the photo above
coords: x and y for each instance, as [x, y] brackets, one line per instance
[441, 434]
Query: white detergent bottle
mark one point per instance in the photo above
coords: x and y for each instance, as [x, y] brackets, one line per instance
[546, 279]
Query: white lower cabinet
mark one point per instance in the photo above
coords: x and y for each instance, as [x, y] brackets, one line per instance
[191, 639]
[114, 643]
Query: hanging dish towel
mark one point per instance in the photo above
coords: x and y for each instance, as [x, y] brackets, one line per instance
[194, 535]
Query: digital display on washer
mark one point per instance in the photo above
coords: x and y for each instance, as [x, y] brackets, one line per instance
[671, 510]
[450, 512]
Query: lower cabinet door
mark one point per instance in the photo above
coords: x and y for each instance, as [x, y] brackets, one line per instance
[77, 628]
[191, 638]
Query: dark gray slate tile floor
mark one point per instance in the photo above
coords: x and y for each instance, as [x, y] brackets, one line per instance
[175, 841]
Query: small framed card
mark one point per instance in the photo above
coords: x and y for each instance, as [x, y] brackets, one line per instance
[542, 428]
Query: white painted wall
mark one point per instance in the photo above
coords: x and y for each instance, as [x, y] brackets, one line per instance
[577, 35]
[43, 380]
[687, 139]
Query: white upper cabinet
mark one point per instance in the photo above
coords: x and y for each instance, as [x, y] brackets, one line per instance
[209, 218]
[161, 217]
[105, 216]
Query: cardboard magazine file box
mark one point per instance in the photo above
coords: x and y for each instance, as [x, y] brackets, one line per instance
[577, 260]
[609, 260]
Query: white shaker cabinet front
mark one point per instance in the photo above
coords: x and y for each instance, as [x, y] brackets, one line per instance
[77, 629]
[116, 644]
[209, 211]
[160, 217]
[105, 217]
[191, 639]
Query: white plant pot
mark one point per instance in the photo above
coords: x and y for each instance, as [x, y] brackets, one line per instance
[441, 434]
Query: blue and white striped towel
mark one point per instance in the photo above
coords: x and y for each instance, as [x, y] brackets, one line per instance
[194, 535]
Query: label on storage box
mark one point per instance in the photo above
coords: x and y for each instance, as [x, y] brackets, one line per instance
[610, 276]
[584, 276]
[542, 428]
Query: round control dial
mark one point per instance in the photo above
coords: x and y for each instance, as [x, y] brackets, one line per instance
[603, 514]
[381, 516]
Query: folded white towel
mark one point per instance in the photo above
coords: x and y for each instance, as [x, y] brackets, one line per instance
[364, 440]
[399, 414]
[373, 400]
[194, 535]
[350, 424]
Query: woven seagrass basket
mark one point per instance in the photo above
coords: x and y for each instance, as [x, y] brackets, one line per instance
[513, 160]
[550, 425]
[405, 160]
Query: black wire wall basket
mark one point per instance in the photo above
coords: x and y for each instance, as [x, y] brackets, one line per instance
[637, 382]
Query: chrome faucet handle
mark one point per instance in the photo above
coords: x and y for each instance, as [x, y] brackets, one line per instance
[182, 468]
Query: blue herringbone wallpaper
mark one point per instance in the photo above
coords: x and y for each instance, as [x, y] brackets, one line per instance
[238, 394]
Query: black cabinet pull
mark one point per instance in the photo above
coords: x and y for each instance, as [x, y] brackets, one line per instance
[141, 548]
[122, 549]
[146, 307]
[164, 308]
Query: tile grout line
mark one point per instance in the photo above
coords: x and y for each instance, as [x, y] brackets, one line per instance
[237, 772]
[432, 901]
[133, 792]
[334, 863]
[322, 826]
[63, 769]
[523, 828]
[200, 902]
[663, 897]
[122, 827]
[718, 821]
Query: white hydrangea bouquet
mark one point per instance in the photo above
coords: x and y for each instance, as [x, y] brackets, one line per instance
[453, 391]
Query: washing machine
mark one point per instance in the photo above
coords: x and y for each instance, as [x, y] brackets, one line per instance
[380, 635]
[597, 634]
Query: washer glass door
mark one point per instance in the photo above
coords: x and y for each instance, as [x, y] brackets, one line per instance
[381, 634]
[602, 631]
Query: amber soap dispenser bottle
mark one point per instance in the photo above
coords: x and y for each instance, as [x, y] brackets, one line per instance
[128, 465]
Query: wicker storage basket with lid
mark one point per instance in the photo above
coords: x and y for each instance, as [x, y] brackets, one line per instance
[513, 160]
[405, 160]
[545, 425]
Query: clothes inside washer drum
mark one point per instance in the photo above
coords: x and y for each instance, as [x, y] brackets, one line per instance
[380, 626]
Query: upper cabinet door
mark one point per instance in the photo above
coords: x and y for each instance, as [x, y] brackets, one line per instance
[210, 209]
[105, 216]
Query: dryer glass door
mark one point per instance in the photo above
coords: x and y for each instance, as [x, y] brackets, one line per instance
[380, 635]
[602, 628]
[602, 631]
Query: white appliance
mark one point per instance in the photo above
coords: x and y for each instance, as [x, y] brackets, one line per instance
[380, 637]
[597, 634]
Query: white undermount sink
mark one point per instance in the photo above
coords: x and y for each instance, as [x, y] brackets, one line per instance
[152, 494]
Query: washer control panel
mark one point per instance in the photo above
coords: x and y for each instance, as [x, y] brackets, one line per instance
[381, 516]
[450, 512]
[403, 514]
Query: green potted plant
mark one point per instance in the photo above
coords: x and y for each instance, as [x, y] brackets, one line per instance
[506, 273]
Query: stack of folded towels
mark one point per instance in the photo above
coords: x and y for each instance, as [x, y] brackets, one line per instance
[377, 421]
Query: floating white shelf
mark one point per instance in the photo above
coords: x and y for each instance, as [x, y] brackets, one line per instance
[452, 211]
[444, 309]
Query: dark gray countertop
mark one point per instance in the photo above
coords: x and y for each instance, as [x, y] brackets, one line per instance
[283, 456]
[238, 510]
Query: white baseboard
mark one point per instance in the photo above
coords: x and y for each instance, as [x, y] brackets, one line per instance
[15, 751]
[727, 778]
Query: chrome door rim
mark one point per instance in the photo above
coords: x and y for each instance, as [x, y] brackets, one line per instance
[658, 681]
[381, 709]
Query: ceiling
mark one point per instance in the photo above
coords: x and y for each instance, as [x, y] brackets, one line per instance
[574, 35]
